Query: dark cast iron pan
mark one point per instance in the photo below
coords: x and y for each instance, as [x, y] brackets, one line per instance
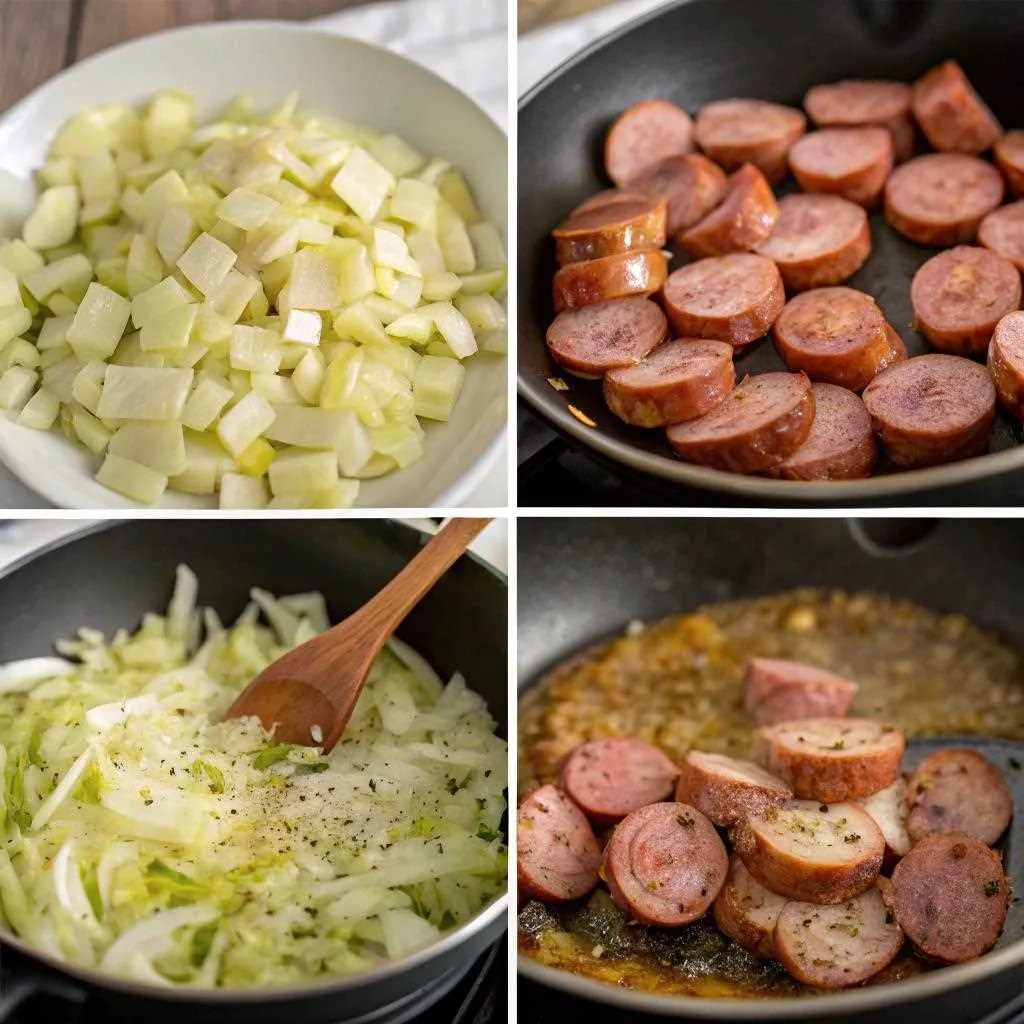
[110, 575]
[699, 50]
[582, 580]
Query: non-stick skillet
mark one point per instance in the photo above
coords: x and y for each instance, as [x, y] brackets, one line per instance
[698, 50]
[108, 576]
[583, 580]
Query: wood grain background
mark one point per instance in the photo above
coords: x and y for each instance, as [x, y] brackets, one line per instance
[537, 13]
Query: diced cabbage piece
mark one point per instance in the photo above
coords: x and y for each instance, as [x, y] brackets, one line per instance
[171, 330]
[303, 327]
[390, 250]
[167, 122]
[144, 393]
[145, 266]
[481, 281]
[164, 297]
[97, 129]
[434, 171]
[16, 387]
[99, 323]
[89, 430]
[257, 457]
[440, 287]
[356, 277]
[457, 194]
[358, 323]
[494, 341]
[408, 291]
[313, 232]
[54, 220]
[483, 312]
[243, 423]
[272, 243]
[235, 292]
[19, 258]
[415, 202]
[59, 377]
[206, 263]
[246, 209]
[363, 184]
[453, 237]
[57, 171]
[10, 290]
[160, 446]
[487, 245]
[71, 272]
[313, 283]
[416, 327]
[140, 483]
[454, 328]
[308, 377]
[205, 403]
[176, 233]
[239, 491]
[436, 386]
[398, 442]
[40, 412]
[88, 385]
[302, 473]
[305, 427]
[14, 320]
[255, 348]
[166, 191]
[276, 389]
[396, 155]
[97, 177]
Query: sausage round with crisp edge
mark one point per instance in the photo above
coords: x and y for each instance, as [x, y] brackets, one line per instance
[778, 690]
[691, 185]
[743, 220]
[741, 131]
[747, 912]
[1002, 231]
[1006, 362]
[644, 134]
[1009, 154]
[726, 789]
[951, 114]
[851, 162]
[611, 228]
[856, 102]
[889, 809]
[611, 277]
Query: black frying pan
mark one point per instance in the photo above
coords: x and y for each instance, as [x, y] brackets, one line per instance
[109, 576]
[582, 580]
[700, 50]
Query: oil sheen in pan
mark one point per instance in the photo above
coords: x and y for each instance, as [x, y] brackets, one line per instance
[678, 683]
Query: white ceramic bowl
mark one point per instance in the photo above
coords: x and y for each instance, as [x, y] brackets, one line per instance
[343, 77]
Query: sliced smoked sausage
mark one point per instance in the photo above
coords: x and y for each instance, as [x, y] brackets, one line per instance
[742, 220]
[1002, 231]
[741, 131]
[889, 809]
[665, 864]
[811, 851]
[1006, 362]
[838, 946]
[817, 241]
[831, 759]
[834, 335]
[611, 277]
[941, 198]
[777, 690]
[728, 790]
[840, 446]
[756, 426]
[960, 295]
[1009, 154]
[952, 115]
[606, 197]
[597, 338]
[746, 911]
[612, 228]
[932, 409]
[557, 853]
[865, 102]
[608, 779]
[647, 132]
[733, 298]
[852, 162]
[679, 381]
[957, 790]
[950, 896]
[691, 184]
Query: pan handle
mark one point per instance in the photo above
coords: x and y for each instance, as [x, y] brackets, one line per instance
[888, 538]
[893, 21]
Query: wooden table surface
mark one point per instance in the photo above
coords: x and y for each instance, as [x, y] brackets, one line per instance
[538, 13]
[39, 37]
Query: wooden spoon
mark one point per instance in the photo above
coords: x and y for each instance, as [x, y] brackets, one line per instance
[319, 682]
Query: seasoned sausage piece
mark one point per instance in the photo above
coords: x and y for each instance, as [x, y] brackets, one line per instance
[606, 197]
[957, 790]
[678, 381]
[1002, 231]
[950, 897]
[737, 132]
[832, 759]
[960, 295]
[818, 241]
[742, 221]
[665, 864]
[810, 851]
[746, 911]
[853, 162]
[1009, 154]
[692, 185]
[932, 409]
[644, 134]
[1006, 362]
[610, 778]
[728, 790]
[865, 102]
[611, 228]
[838, 946]
[610, 277]
[606, 335]
[889, 809]
[776, 690]
[835, 335]
[840, 446]
[941, 198]
[756, 426]
[733, 298]
[557, 854]
[952, 115]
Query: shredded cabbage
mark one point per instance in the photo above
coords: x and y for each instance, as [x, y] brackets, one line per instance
[144, 836]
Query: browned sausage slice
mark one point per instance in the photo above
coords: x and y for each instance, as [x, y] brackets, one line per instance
[932, 409]
[606, 197]
[746, 911]
[610, 778]
[1009, 154]
[610, 277]
[776, 690]
[835, 335]
[665, 864]
[733, 298]
[1006, 362]
[951, 114]
[737, 132]
[960, 295]
[830, 759]
[728, 790]
[756, 426]
[950, 897]
[743, 220]
[853, 162]
[889, 809]
[557, 854]
[692, 185]
[835, 947]
[678, 381]
[809, 851]
[840, 446]
[644, 134]
[865, 102]
[1002, 231]
[957, 790]
[594, 339]
[611, 228]
[941, 198]
[818, 240]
